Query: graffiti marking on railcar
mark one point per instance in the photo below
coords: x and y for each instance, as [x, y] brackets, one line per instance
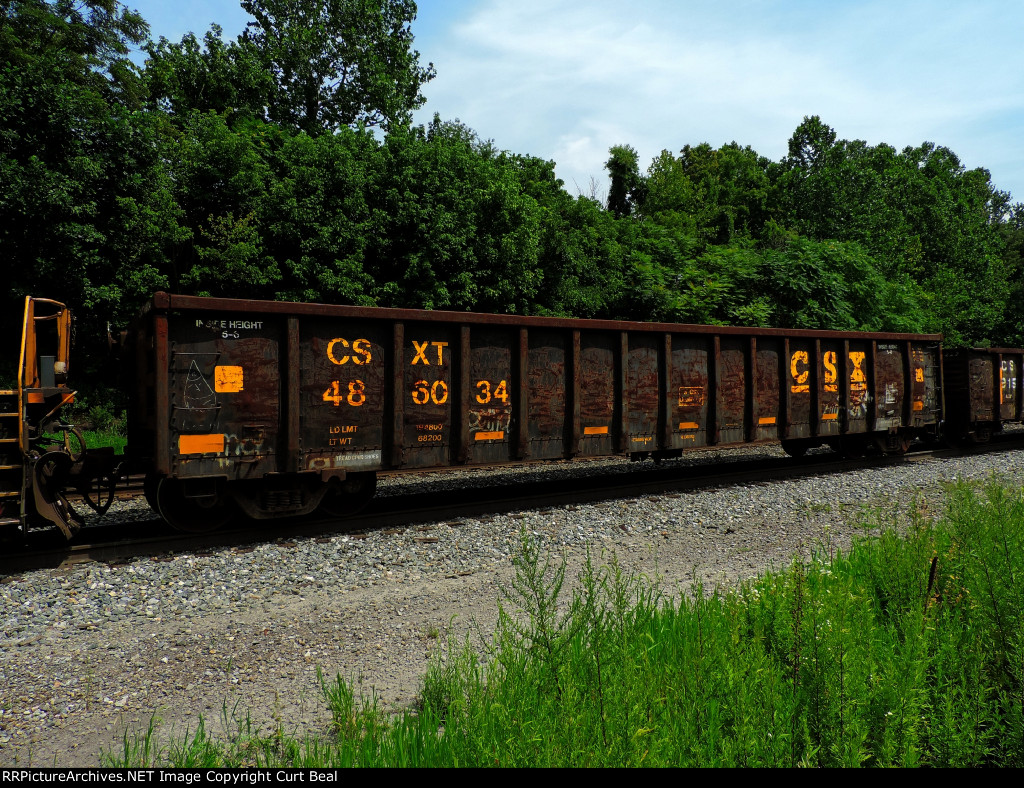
[356, 393]
[436, 393]
[489, 420]
[919, 375]
[800, 375]
[421, 352]
[642, 439]
[486, 394]
[859, 396]
[831, 376]
[360, 351]
[198, 401]
[691, 396]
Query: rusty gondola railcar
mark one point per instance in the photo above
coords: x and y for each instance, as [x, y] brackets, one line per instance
[278, 409]
[983, 391]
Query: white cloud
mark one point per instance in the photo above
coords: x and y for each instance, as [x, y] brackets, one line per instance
[566, 80]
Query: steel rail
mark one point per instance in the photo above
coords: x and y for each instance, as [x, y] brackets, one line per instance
[117, 543]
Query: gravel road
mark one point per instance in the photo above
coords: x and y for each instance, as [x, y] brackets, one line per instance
[90, 652]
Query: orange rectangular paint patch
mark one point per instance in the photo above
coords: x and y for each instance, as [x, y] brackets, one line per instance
[918, 405]
[766, 420]
[36, 397]
[830, 417]
[227, 380]
[595, 430]
[489, 436]
[201, 444]
[689, 425]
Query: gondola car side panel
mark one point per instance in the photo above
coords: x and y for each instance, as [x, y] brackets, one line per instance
[342, 398]
[224, 394]
[429, 392]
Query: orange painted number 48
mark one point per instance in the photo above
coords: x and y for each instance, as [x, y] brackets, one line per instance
[356, 393]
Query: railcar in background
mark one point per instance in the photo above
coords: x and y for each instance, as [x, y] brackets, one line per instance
[983, 391]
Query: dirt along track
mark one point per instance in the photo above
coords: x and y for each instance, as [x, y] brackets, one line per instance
[91, 650]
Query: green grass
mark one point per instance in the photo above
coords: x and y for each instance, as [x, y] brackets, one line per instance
[95, 439]
[906, 651]
[100, 423]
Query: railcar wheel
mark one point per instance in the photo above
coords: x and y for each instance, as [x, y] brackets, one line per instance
[191, 515]
[350, 496]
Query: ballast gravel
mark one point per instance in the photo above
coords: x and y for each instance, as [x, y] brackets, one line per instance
[93, 653]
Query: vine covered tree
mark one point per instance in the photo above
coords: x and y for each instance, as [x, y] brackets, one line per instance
[623, 167]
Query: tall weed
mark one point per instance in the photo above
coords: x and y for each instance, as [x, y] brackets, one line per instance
[907, 650]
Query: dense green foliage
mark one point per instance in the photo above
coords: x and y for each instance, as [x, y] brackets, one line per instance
[250, 167]
[907, 651]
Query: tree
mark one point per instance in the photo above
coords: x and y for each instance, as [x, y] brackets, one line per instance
[81, 197]
[1012, 231]
[672, 199]
[713, 195]
[220, 180]
[811, 145]
[924, 219]
[338, 62]
[453, 228]
[83, 42]
[626, 190]
[316, 220]
[228, 78]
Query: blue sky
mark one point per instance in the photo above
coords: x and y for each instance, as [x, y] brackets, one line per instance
[565, 80]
